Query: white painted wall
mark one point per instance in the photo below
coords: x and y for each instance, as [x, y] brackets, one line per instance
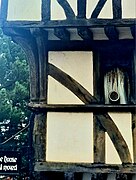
[81, 70]
[70, 137]
[31, 10]
[24, 10]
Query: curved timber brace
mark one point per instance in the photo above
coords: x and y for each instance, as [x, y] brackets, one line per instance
[33, 42]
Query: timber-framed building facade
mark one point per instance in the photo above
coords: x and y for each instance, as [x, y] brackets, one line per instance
[75, 136]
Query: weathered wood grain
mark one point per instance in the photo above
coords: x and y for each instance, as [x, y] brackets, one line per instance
[27, 42]
[98, 130]
[39, 137]
[99, 142]
[88, 168]
[41, 42]
[94, 23]
[41, 107]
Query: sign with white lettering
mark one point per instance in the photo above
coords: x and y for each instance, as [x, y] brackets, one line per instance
[9, 162]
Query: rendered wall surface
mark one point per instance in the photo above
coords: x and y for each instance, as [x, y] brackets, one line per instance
[24, 10]
[31, 10]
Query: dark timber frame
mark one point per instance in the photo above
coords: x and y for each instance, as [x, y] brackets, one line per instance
[34, 38]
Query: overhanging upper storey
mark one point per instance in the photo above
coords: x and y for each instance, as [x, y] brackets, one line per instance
[73, 20]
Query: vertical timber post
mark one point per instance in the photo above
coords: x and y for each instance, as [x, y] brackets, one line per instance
[40, 122]
[134, 114]
[99, 133]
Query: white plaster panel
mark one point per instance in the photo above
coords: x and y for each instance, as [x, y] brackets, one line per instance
[79, 65]
[70, 137]
[129, 8]
[24, 10]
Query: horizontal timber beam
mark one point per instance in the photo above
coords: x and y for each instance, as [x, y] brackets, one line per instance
[72, 23]
[88, 168]
[82, 108]
[80, 45]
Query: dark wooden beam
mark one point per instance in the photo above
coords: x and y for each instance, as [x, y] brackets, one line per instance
[39, 137]
[62, 34]
[81, 9]
[81, 108]
[83, 167]
[85, 33]
[67, 9]
[99, 131]
[89, 45]
[72, 23]
[41, 42]
[98, 8]
[133, 31]
[3, 10]
[68, 176]
[111, 32]
[46, 8]
[99, 141]
[117, 9]
[25, 39]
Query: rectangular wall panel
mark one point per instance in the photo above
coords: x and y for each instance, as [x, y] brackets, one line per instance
[79, 66]
[24, 10]
[70, 137]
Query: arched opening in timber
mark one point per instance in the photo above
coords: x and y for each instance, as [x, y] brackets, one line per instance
[14, 96]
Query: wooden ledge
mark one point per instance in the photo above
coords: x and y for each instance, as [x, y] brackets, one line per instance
[101, 108]
[85, 167]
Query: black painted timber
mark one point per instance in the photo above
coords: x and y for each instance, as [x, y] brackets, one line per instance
[82, 108]
[72, 23]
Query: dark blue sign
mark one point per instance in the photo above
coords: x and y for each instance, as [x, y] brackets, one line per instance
[9, 162]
